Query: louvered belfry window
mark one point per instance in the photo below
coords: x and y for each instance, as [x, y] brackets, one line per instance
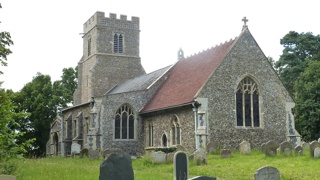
[247, 103]
[118, 43]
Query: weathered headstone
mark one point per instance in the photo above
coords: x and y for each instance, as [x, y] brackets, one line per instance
[267, 172]
[285, 148]
[179, 148]
[94, 154]
[75, 148]
[298, 150]
[319, 140]
[263, 147]
[117, 167]
[180, 164]
[305, 145]
[316, 152]
[170, 157]
[158, 157]
[7, 177]
[244, 147]
[213, 147]
[200, 156]
[271, 148]
[84, 152]
[106, 153]
[313, 146]
[225, 153]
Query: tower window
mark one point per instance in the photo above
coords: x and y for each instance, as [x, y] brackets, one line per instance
[118, 43]
[124, 123]
[89, 46]
[247, 103]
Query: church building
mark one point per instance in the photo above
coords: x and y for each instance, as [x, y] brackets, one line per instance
[227, 94]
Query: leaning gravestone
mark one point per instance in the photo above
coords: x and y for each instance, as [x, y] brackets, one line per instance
[180, 163]
[118, 166]
[170, 157]
[200, 156]
[94, 154]
[158, 157]
[244, 147]
[271, 148]
[84, 152]
[305, 145]
[213, 147]
[267, 172]
[75, 148]
[285, 148]
[298, 150]
[316, 153]
[225, 153]
[313, 146]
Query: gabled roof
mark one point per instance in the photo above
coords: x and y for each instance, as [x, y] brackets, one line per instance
[139, 83]
[187, 77]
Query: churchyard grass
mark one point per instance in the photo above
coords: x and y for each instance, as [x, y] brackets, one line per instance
[237, 167]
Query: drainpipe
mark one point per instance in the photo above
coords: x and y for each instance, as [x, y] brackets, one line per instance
[195, 106]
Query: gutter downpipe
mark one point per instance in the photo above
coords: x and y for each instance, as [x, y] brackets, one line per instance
[195, 106]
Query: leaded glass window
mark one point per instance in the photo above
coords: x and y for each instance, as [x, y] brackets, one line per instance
[247, 103]
[124, 123]
[118, 43]
[175, 131]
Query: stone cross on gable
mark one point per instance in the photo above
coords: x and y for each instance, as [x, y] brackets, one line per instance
[245, 20]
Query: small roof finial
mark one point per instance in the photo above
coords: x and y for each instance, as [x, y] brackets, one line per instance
[245, 20]
[180, 54]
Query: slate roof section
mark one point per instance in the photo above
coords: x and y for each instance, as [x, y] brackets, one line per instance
[187, 77]
[139, 83]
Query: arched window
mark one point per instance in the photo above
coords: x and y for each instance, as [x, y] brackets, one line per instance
[118, 43]
[164, 140]
[150, 134]
[124, 123]
[247, 103]
[175, 131]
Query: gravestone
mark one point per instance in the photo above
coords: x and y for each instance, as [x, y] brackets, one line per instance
[170, 157]
[200, 156]
[313, 146]
[117, 167]
[7, 177]
[285, 148]
[316, 153]
[298, 150]
[305, 145]
[244, 147]
[106, 153]
[213, 147]
[180, 164]
[75, 148]
[267, 172]
[271, 148]
[84, 152]
[263, 147]
[179, 148]
[158, 157]
[225, 153]
[319, 140]
[94, 154]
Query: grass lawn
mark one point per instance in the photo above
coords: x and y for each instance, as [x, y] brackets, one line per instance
[238, 167]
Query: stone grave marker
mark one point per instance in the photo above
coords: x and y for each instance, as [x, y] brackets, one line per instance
[298, 150]
[225, 153]
[285, 148]
[200, 156]
[170, 157]
[319, 140]
[313, 146]
[263, 147]
[203, 178]
[94, 154]
[244, 147]
[179, 148]
[267, 172]
[106, 153]
[118, 166]
[213, 147]
[7, 177]
[180, 164]
[75, 148]
[305, 145]
[271, 148]
[84, 152]
[158, 157]
[316, 153]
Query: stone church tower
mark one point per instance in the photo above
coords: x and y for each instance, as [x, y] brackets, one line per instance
[110, 55]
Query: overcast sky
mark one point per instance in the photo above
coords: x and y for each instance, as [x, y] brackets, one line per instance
[46, 33]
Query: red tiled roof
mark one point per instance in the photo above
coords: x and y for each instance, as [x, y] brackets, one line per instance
[186, 77]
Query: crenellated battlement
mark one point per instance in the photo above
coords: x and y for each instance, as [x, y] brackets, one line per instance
[99, 19]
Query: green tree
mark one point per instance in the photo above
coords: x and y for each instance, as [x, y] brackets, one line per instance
[298, 50]
[307, 110]
[36, 98]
